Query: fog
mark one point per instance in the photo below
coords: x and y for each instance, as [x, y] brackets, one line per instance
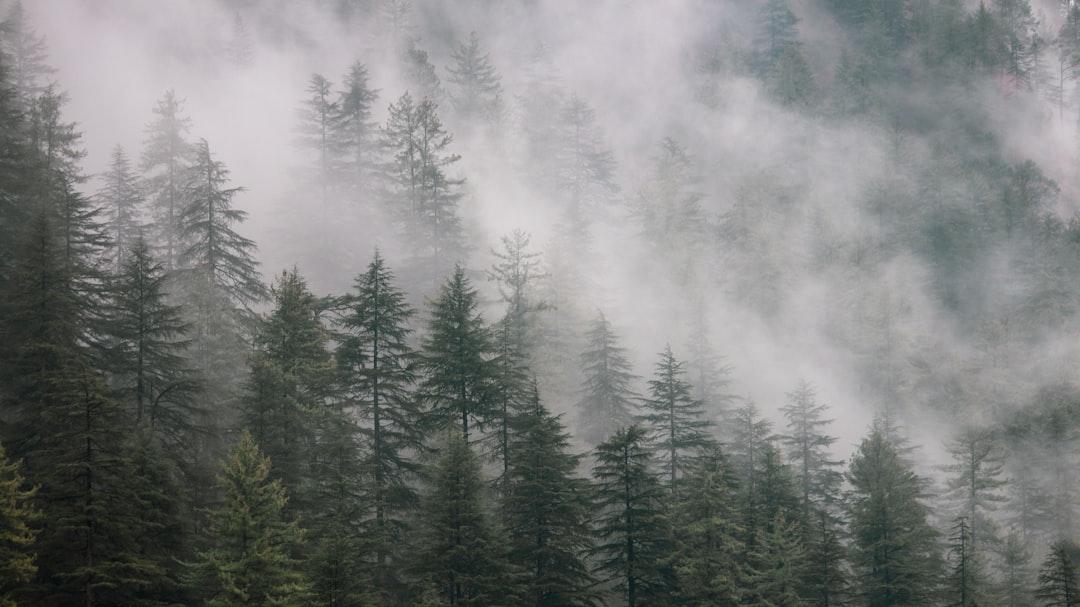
[635, 64]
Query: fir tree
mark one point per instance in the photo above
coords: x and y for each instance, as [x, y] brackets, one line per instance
[607, 402]
[893, 556]
[355, 133]
[26, 53]
[377, 369]
[318, 122]
[675, 421]
[707, 535]
[1057, 585]
[251, 562]
[455, 360]
[18, 522]
[458, 546]
[165, 160]
[545, 512]
[975, 482]
[966, 580]
[778, 564]
[122, 201]
[516, 271]
[476, 92]
[632, 529]
[816, 476]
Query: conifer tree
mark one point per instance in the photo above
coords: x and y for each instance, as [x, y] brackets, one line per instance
[252, 560]
[1058, 586]
[516, 272]
[583, 170]
[966, 581]
[422, 195]
[607, 402]
[147, 343]
[476, 92]
[420, 73]
[633, 534]
[777, 565]
[354, 131]
[455, 360]
[894, 555]
[212, 246]
[816, 475]
[18, 530]
[668, 206]
[25, 53]
[318, 121]
[289, 385]
[165, 160]
[546, 511]
[458, 546]
[122, 202]
[675, 421]
[975, 482]
[1015, 576]
[377, 368]
[707, 535]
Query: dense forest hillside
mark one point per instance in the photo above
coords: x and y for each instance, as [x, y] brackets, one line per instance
[537, 302]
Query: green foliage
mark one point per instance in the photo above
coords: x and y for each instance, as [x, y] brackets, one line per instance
[455, 360]
[607, 402]
[251, 562]
[975, 482]
[633, 533]
[546, 509]
[122, 200]
[165, 162]
[893, 547]
[459, 548]
[18, 520]
[677, 426]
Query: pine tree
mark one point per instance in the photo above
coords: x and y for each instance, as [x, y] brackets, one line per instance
[251, 562]
[420, 73]
[966, 580]
[1057, 585]
[422, 196]
[1014, 572]
[455, 360]
[675, 421]
[122, 201]
[238, 52]
[707, 535]
[18, 521]
[633, 534]
[147, 343]
[355, 133]
[776, 33]
[26, 53]
[458, 547]
[377, 368]
[975, 482]
[778, 565]
[516, 271]
[318, 117]
[211, 244]
[476, 92]
[583, 170]
[668, 207]
[289, 385]
[893, 557]
[545, 511]
[607, 402]
[816, 476]
[165, 160]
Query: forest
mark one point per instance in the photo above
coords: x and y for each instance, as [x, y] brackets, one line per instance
[387, 303]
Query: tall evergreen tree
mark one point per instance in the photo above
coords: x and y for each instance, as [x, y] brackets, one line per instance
[675, 421]
[455, 360]
[545, 512]
[475, 92]
[355, 133]
[251, 562]
[607, 402]
[975, 482]
[778, 565]
[459, 548]
[1015, 576]
[145, 361]
[318, 117]
[422, 195]
[516, 272]
[1058, 586]
[289, 385]
[893, 551]
[708, 544]
[18, 522]
[122, 202]
[966, 581]
[816, 475]
[633, 534]
[166, 156]
[377, 367]
[26, 53]
[212, 246]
